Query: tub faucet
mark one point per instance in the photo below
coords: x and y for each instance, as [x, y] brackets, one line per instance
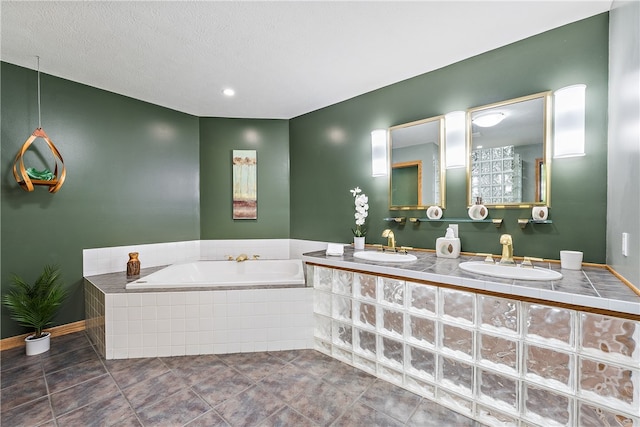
[391, 239]
[507, 250]
[242, 257]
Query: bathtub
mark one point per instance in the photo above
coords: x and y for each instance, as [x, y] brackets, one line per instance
[215, 274]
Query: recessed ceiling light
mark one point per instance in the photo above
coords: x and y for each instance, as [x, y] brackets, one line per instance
[229, 92]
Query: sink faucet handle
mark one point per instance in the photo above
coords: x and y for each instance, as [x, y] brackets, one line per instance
[404, 249]
[489, 257]
[378, 246]
[527, 263]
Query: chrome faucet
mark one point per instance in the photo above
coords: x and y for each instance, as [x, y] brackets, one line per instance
[507, 250]
[391, 239]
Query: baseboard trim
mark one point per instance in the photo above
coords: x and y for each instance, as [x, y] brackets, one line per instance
[56, 331]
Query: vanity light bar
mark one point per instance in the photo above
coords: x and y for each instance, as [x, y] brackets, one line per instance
[455, 134]
[379, 164]
[569, 121]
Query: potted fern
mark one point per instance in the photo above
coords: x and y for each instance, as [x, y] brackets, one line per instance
[35, 306]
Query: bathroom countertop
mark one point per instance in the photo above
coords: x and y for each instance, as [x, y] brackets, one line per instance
[593, 287]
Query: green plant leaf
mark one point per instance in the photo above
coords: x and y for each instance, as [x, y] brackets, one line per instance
[36, 305]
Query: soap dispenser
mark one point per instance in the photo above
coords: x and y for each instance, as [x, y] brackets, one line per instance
[448, 246]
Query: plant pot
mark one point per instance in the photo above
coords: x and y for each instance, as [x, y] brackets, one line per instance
[38, 345]
[358, 243]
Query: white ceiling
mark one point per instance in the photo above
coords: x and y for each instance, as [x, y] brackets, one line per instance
[283, 58]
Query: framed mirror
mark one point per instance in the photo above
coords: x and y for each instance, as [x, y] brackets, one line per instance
[509, 149]
[417, 178]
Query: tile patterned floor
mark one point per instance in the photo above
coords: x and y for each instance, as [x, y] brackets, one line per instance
[72, 386]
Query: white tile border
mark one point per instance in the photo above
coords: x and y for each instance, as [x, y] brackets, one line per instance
[196, 322]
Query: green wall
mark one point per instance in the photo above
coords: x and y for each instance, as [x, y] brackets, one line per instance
[218, 138]
[330, 148]
[139, 173]
[132, 177]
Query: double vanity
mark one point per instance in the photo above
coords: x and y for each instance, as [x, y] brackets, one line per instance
[558, 350]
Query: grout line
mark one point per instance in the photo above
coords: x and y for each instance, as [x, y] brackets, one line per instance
[591, 284]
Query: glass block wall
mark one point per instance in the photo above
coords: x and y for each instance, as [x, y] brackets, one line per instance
[496, 175]
[500, 361]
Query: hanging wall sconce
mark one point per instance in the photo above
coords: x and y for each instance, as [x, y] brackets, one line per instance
[379, 164]
[569, 121]
[28, 177]
[455, 139]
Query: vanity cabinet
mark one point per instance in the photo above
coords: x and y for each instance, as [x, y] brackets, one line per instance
[499, 360]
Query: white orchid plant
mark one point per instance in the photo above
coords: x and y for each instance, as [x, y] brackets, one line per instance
[362, 208]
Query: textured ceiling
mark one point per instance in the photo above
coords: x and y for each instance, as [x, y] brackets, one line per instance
[283, 59]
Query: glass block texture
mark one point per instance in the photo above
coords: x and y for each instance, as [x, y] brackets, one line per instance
[421, 362]
[365, 314]
[322, 328]
[498, 360]
[607, 381]
[500, 390]
[422, 298]
[342, 282]
[341, 354]
[594, 416]
[342, 334]
[610, 337]
[341, 307]
[323, 278]
[392, 292]
[458, 305]
[492, 417]
[547, 407]
[496, 175]
[392, 322]
[551, 323]
[421, 330]
[365, 286]
[365, 364]
[499, 313]
[457, 340]
[322, 303]
[456, 375]
[499, 353]
[549, 366]
[366, 343]
[420, 387]
[392, 352]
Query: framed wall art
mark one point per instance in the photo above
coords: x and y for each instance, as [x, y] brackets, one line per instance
[245, 184]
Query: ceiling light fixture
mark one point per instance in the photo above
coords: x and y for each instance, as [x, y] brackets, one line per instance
[229, 92]
[489, 119]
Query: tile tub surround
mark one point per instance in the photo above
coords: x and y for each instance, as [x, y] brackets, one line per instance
[113, 259]
[73, 386]
[125, 323]
[499, 360]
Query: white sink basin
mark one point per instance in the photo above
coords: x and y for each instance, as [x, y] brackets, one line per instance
[384, 256]
[510, 272]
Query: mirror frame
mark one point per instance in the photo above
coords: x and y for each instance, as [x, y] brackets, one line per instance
[543, 165]
[441, 142]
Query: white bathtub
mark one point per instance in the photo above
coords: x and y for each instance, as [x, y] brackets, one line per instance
[213, 274]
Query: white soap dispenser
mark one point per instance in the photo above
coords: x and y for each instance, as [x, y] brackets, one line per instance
[448, 246]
